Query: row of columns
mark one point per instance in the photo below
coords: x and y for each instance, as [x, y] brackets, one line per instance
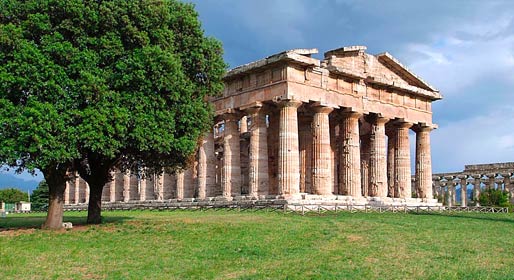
[445, 186]
[345, 163]
[291, 161]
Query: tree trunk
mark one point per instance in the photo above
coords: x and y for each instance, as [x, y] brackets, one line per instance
[54, 216]
[94, 209]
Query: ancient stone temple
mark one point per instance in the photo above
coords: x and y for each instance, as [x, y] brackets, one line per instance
[472, 181]
[297, 128]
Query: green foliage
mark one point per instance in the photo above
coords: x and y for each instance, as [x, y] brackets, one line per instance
[126, 80]
[493, 197]
[39, 197]
[13, 195]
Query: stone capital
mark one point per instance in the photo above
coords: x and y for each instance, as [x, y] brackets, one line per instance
[281, 103]
[351, 114]
[376, 119]
[321, 109]
[421, 127]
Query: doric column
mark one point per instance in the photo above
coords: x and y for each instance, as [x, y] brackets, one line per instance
[142, 188]
[112, 187]
[189, 182]
[365, 157]
[350, 180]
[231, 169]
[322, 181]
[67, 193]
[258, 180]
[463, 190]
[126, 186]
[506, 182]
[423, 164]
[450, 190]
[159, 187]
[180, 184]
[334, 126]
[207, 167]
[402, 169]
[476, 188]
[491, 180]
[243, 124]
[288, 153]
[305, 140]
[273, 151]
[86, 192]
[436, 183]
[391, 143]
[77, 189]
[378, 157]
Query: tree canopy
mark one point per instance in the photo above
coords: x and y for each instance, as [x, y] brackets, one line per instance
[39, 197]
[91, 85]
[13, 195]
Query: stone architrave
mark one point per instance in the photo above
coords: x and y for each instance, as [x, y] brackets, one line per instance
[231, 169]
[402, 160]
[423, 164]
[288, 174]
[126, 186]
[206, 167]
[350, 180]
[463, 190]
[378, 157]
[322, 181]
[258, 173]
[112, 187]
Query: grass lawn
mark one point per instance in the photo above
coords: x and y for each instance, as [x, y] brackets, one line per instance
[233, 245]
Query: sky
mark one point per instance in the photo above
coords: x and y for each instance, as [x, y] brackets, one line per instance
[464, 48]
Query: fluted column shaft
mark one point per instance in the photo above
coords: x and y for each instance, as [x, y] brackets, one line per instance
[207, 167]
[305, 140]
[77, 189]
[112, 187]
[378, 158]
[476, 189]
[463, 191]
[231, 169]
[243, 124]
[288, 150]
[258, 153]
[350, 182]
[365, 157]
[67, 193]
[180, 184]
[142, 189]
[159, 192]
[423, 162]
[391, 143]
[322, 181]
[402, 169]
[126, 186]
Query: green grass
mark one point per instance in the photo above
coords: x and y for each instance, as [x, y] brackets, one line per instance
[232, 245]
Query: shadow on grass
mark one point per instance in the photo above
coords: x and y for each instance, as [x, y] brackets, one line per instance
[493, 217]
[20, 221]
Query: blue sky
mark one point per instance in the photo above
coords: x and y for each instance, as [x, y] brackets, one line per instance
[463, 48]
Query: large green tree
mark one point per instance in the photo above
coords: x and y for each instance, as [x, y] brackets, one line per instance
[89, 86]
[13, 195]
[39, 197]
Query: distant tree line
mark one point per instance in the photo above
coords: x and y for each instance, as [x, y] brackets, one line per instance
[13, 195]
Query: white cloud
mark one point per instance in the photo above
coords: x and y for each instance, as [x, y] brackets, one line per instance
[482, 139]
